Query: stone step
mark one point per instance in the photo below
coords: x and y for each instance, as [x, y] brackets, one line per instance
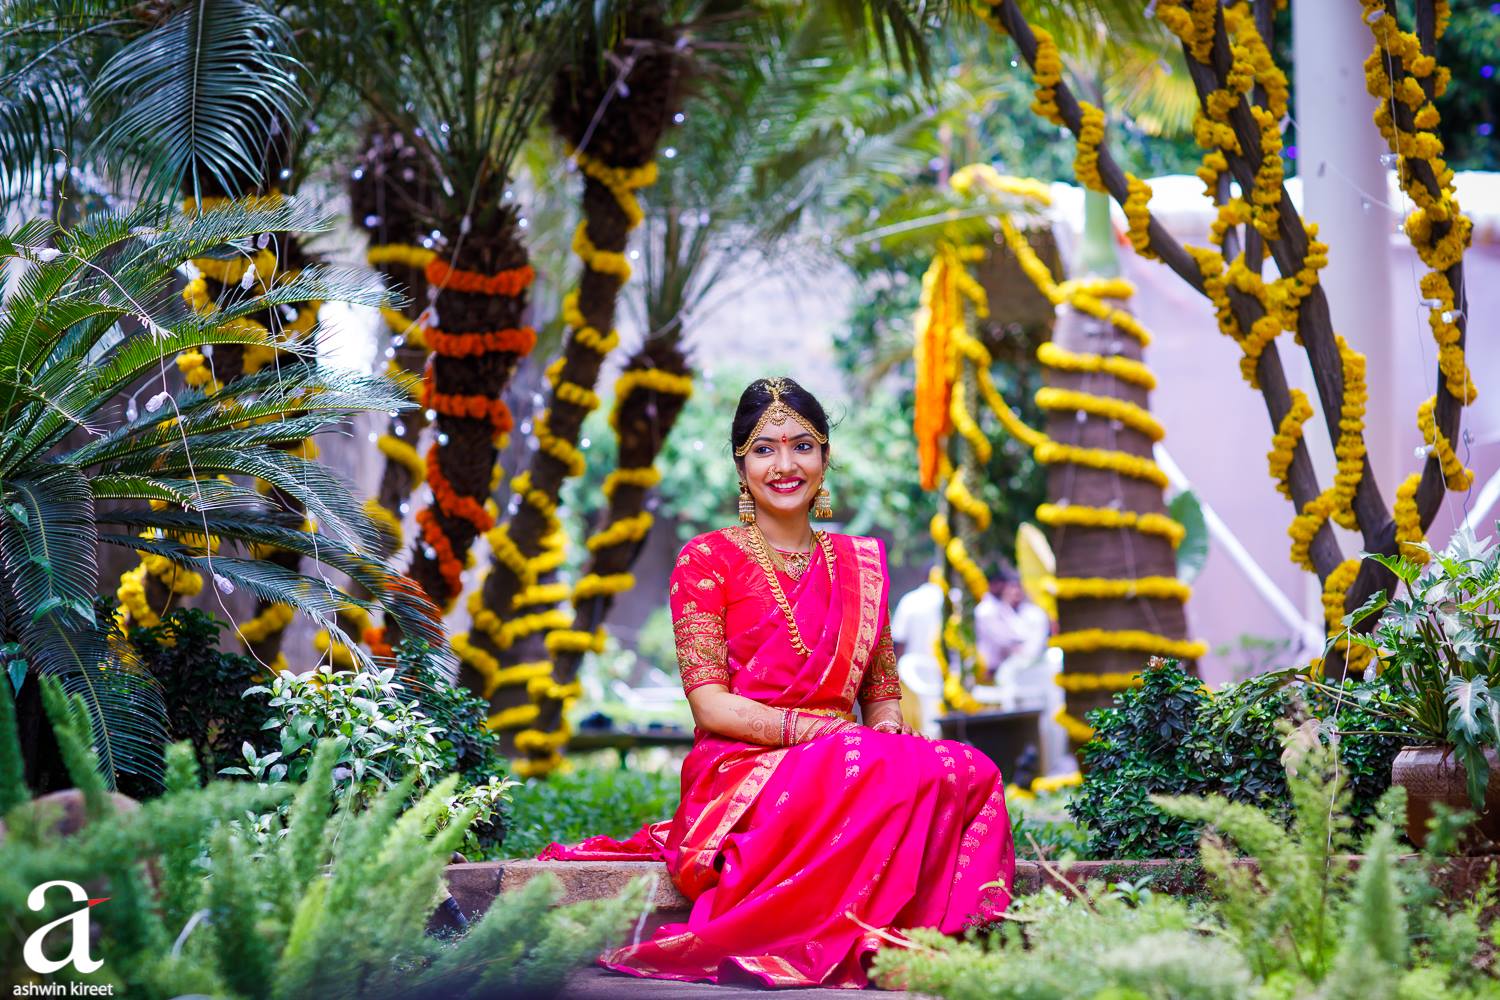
[475, 885]
[600, 984]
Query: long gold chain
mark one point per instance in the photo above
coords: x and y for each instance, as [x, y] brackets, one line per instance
[760, 546]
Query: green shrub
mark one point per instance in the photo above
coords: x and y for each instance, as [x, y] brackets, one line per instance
[336, 907]
[1172, 736]
[202, 687]
[379, 734]
[381, 737]
[586, 802]
[465, 743]
[1041, 826]
[1301, 925]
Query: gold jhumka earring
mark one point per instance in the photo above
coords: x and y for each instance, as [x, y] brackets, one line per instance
[822, 507]
[747, 504]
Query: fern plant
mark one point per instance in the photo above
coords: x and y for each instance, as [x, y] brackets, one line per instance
[337, 908]
[91, 319]
[1297, 922]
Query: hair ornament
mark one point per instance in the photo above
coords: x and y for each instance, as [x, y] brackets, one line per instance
[777, 414]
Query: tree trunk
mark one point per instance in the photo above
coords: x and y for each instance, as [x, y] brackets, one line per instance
[1110, 553]
[614, 121]
[475, 334]
[644, 418]
[388, 192]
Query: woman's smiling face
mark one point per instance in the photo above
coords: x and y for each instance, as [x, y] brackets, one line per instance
[784, 471]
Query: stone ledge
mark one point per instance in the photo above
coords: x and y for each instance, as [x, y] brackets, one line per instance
[475, 885]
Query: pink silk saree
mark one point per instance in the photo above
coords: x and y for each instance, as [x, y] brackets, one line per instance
[781, 848]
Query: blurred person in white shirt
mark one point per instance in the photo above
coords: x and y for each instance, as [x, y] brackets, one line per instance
[916, 625]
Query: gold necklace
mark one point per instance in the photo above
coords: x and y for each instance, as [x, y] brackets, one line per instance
[760, 546]
[793, 564]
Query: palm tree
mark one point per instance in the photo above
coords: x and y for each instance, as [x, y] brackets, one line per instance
[462, 81]
[611, 112]
[388, 192]
[91, 314]
[794, 130]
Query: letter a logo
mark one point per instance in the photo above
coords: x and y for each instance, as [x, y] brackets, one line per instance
[78, 955]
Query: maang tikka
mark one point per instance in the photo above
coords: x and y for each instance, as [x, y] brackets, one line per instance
[777, 413]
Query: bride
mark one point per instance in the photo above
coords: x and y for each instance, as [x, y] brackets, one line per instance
[799, 829]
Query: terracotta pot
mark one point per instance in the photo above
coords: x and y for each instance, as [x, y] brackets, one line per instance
[1432, 774]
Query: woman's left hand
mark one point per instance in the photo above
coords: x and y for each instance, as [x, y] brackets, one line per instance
[897, 728]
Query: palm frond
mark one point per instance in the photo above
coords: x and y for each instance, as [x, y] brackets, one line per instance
[465, 80]
[47, 49]
[199, 98]
[46, 545]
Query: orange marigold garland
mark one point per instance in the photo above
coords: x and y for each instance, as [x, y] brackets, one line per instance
[448, 563]
[509, 282]
[452, 503]
[474, 407]
[516, 340]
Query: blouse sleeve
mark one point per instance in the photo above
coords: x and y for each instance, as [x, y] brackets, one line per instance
[698, 604]
[881, 682]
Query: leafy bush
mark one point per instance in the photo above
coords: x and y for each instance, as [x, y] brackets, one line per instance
[202, 686]
[465, 745]
[381, 737]
[566, 808]
[1302, 924]
[1171, 736]
[337, 908]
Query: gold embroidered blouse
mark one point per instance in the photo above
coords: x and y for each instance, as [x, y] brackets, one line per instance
[709, 585]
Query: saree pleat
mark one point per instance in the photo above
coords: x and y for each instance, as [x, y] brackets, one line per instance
[792, 854]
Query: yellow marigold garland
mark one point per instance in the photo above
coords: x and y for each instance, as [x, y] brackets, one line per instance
[1455, 475]
[1097, 682]
[1104, 407]
[1078, 731]
[1131, 640]
[1102, 588]
[1335, 589]
[402, 254]
[1059, 515]
[275, 618]
[1124, 369]
[1090, 138]
[1052, 453]
[1138, 215]
[1047, 74]
[1056, 782]
[388, 522]
[1350, 448]
[1284, 443]
[133, 603]
[1408, 520]
[1423, 145]
[958, 557]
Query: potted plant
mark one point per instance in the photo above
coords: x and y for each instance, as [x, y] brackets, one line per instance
[1440, 651]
